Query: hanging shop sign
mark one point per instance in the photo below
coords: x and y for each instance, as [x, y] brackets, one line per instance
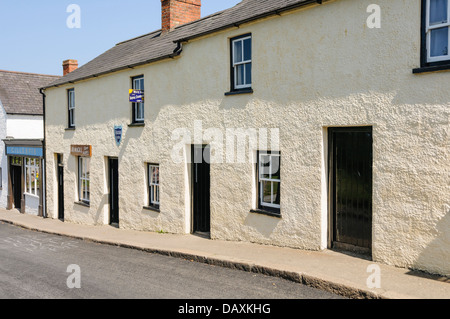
[81, 150]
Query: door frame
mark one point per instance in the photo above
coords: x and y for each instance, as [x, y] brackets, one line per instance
[331, 186]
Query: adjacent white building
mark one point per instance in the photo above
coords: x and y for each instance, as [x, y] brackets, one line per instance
[21, 141]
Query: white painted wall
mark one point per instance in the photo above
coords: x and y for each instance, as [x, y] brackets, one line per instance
[312, 69]
[3, 159]
[25, 126]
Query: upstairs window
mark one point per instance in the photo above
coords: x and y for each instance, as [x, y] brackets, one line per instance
[437, 30]
[71, 104]
[138, 108]
[241, 56]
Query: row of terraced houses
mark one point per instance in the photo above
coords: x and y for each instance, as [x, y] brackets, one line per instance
[290, 123]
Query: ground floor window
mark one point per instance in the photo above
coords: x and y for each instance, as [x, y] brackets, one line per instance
[269, 180]
[84, 179]
[153, 185]
[32, 176]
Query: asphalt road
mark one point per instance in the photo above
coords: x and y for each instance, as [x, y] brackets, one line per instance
[34, 265]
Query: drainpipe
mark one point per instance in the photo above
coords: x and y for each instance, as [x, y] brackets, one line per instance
[44, 177]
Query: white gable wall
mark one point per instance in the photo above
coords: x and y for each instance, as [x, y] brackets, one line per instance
[25, 126]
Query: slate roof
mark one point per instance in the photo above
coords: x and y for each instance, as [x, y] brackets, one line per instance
[19, 92]
[157, 45]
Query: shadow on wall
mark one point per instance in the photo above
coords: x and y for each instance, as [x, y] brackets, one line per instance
[435, 258]
[265, 226]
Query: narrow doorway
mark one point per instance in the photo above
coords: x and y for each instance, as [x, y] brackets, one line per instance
[351, 165]
[60, 172]
[16, 178]
[201, 189]
[114, 191]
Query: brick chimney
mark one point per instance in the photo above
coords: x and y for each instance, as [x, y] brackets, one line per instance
[69, 66]
[179, 12]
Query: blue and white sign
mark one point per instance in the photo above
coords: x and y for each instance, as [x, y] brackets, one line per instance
[136, 96]
[24, 151]
[118, 133]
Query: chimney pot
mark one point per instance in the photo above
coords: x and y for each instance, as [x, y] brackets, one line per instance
[69, 66]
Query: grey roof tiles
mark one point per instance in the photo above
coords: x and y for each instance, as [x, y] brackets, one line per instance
[19, 92]
[157, 45]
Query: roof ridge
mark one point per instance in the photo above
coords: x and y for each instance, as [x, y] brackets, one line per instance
[29, 73]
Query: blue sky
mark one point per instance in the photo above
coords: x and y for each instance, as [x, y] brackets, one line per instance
[34, 36]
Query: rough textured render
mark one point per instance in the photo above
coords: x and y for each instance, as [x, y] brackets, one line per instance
[313, 68]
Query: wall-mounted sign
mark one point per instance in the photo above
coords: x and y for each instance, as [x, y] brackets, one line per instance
[81, 150]
[136, 96]
[24, 151]
[118, 133]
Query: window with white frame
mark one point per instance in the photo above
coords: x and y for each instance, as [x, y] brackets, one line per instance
[138, 108]
[153, 185]
[32, 176]
[71, 107]
[437, 30]
[84, 179]
[269, 180]
[242, 62]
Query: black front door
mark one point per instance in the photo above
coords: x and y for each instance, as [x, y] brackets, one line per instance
[60, 188]
[201, 193]
[16, 178]
[114, 191]
[351, 162]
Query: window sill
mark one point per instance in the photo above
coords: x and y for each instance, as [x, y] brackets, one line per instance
[435, 68]
[31, 195]
[136, 125]
[265, 212]
[153, 209]
[82, 204]
[70, 129]
[242, 91]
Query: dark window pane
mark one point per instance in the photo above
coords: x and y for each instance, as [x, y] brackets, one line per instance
[264, 166]
[247, 49]
[438, 11]
[275, 167]
[237, 51]
[248, 73]
[439, 42]
[276, 193]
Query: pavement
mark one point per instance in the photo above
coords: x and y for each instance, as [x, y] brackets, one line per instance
[332, 271]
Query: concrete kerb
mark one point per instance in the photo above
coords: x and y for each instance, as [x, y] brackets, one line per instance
[304, 279]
